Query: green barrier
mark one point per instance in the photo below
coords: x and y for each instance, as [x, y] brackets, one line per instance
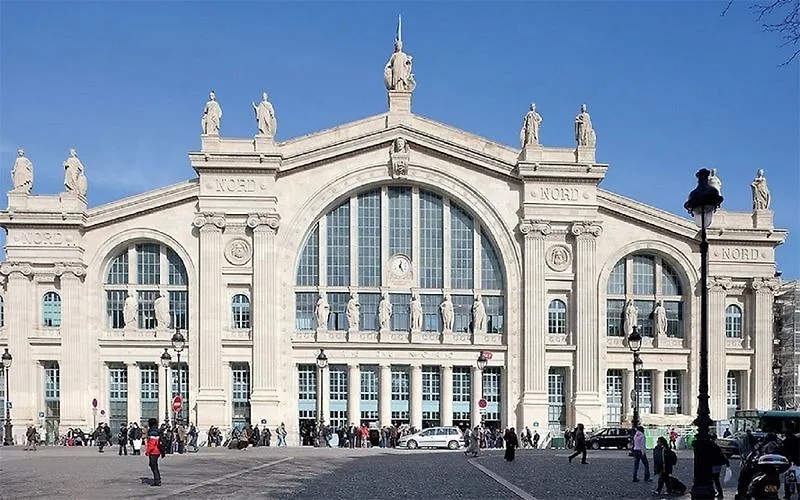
[557, 442]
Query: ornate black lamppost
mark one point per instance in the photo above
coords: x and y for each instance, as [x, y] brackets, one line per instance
[178, 343]
[165, 360]
[634, 344]
[322, 363]
[482, 361]
[8, 438]
[703, 201]
[777, 368]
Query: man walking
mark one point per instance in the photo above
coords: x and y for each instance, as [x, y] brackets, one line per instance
[153, 449]
[122, 440]
[580, 444]
[640, 455]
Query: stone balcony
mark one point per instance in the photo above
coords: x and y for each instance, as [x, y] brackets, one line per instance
[648, 342]
[398, 337]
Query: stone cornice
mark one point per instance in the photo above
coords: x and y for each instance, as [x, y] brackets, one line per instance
[209, 220]
[586, 229]
[535, 228]
[264, 221]
[765, 285]
[143, 203]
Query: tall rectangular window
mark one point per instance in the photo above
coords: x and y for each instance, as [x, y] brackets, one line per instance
[644, 279]
[644, 387]
[645, 308]
[495, 313]
[2, 402]
[52, 400]
[491, 272]
[117, 396]
[240, 395]
[431, 383]
[400, 220]
[308, 267]
[337, 319]
[148, 264]
[179, 309]
[118, 270]
[339, 246]
[149, 393]
[307, 382]
[732, 393]
[401, 322]
[461, 249]
[369, 239]
[304, 304]
[672, 392]
[462, 313]
[400, 381]
[147, 312]
[369, 383]
[431, 267]
[176, 271]
[115, 302]
[462, 384]
[674, 312]
[616, 280]
[180, 385]
[369, 311]
[338, 387]
[614, 397]
[614, 312]
[431, 314]
[556, 416]
[491, 384]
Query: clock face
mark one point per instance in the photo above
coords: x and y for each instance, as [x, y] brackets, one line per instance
[401, 265]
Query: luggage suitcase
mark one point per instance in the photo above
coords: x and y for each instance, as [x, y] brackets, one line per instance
[676, 486]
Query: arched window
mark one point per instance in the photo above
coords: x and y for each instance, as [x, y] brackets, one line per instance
[443, 249]
[240, 312]
[557, 317]
[146, 270]
[51, 309]
[645, 279]
[733, 321]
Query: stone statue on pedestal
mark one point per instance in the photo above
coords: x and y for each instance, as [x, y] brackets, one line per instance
[397, 74]
[584, 132]
[322, 311]
[714, 180]
[631, 317]
[385, 312]
[212, 116]
[161, 306]
[761, 196]
[660, 319]
[74, 178]
[529, 134]
[478, 315]
[416, 312]
[22, 174]
[265, 117]
[448, 315]
[130, 310]
[353, 311]
[398, 156]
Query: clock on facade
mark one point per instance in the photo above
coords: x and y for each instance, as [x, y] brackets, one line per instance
[400, 265]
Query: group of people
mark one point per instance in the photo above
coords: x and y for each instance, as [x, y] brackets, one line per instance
[480, 437]
[250, 435]
[353, 436]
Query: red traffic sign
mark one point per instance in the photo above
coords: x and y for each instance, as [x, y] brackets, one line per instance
[177, 403]
[487, 355]
[94, 403]
[482, 403]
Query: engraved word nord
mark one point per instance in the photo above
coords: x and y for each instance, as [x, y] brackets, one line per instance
[236, 185]
[559, 194]
[40, 238]
[740, 254]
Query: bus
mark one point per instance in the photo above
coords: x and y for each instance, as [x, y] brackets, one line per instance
[759, 423]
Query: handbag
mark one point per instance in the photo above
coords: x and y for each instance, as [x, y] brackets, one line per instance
[728, 475]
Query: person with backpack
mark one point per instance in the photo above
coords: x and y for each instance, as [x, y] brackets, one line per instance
[664, 460]
[154, 449]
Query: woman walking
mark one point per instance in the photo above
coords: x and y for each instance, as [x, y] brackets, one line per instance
[154, 449]
[511, 444]
[580, 444]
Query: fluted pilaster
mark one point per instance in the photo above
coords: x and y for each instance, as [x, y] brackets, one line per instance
[587, 338]
[74, 378]
[385, 395]
[718, 287]
[415, 398]
[477, 394]
[764, 289]
[446, 396]
[535, 374]
[354, 394]
[18, 287]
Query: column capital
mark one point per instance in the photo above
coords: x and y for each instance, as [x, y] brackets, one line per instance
[535, 228]
[264, 221]
[16, 269]
[586, 229]
[209, 221]
[765, 285]
[719, 283]
[65, 269]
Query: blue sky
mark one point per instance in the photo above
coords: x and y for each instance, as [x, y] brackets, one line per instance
[672, 87]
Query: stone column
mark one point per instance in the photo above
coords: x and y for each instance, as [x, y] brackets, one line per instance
[588, 406]
[658, 392]
[265, 398]
[747, 389]
[325, 395]
[211, 399]
[477, 394]
[627, 401]
[534, 396]
[354, 394]
[446, 396]
[134, 393]
[23, 320]
[717, 369]
[385, 395]
[74, 378]
[764, 290]
[415, 398]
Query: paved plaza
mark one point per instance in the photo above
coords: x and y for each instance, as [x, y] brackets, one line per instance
[325, 473]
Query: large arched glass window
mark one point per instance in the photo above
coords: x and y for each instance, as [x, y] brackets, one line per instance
[240, 312]
[356, 247]
[557, 317]
[733, 321]
[645, 279]
[51, 309]
[146, 270]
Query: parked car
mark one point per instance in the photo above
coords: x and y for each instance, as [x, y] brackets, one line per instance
[610, 437]
[434, 437]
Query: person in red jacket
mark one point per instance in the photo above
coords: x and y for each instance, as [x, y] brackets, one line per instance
[153, 449]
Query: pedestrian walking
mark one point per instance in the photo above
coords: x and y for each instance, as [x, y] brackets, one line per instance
[718, 461]
[474, 442]
[154, 449]
[580, 444]
[122, 439]
[511, 444]
[535, 441]
[640, 455]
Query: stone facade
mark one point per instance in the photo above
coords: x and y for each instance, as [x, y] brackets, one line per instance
[236, 232]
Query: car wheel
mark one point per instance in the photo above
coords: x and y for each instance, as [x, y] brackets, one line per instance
[412, 445]
[628, 445]
[595, 445]
[452, 445]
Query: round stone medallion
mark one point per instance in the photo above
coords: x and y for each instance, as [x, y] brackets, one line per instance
[238, 252]
[559, 258]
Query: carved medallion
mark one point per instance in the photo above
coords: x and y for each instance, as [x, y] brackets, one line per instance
[559, 258]
[238, 252]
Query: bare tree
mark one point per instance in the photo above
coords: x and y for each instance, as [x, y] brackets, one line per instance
[779, 16]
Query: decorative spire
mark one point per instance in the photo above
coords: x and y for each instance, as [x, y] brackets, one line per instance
[399, 28]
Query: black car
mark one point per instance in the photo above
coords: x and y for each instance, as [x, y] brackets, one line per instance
[610, 437]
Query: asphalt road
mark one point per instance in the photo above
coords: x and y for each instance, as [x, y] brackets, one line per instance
[308, 473]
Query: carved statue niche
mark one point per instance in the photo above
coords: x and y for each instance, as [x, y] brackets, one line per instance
[398, 158]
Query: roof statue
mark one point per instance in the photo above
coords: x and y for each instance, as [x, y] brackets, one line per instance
[397, 74]
[22, 174]
[265, 117]
[212, 115]
[761, 196]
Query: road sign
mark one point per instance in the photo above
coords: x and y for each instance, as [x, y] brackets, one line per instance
[177, 403]
[263, 421]
[102, 412]
[8, 405]
[487, 355]
[94, 403]
[536, 424]
[482, 403]
[633, 395]
[41, 414]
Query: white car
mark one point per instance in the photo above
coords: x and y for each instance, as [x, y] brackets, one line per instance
[434, 437]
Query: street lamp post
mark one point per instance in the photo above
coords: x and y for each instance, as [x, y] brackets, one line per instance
[482, 362]
[322, 363]
[8, 438]
[634, 344]
[703, 201]
[178, 343]
[165, 360]
[777, 368]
